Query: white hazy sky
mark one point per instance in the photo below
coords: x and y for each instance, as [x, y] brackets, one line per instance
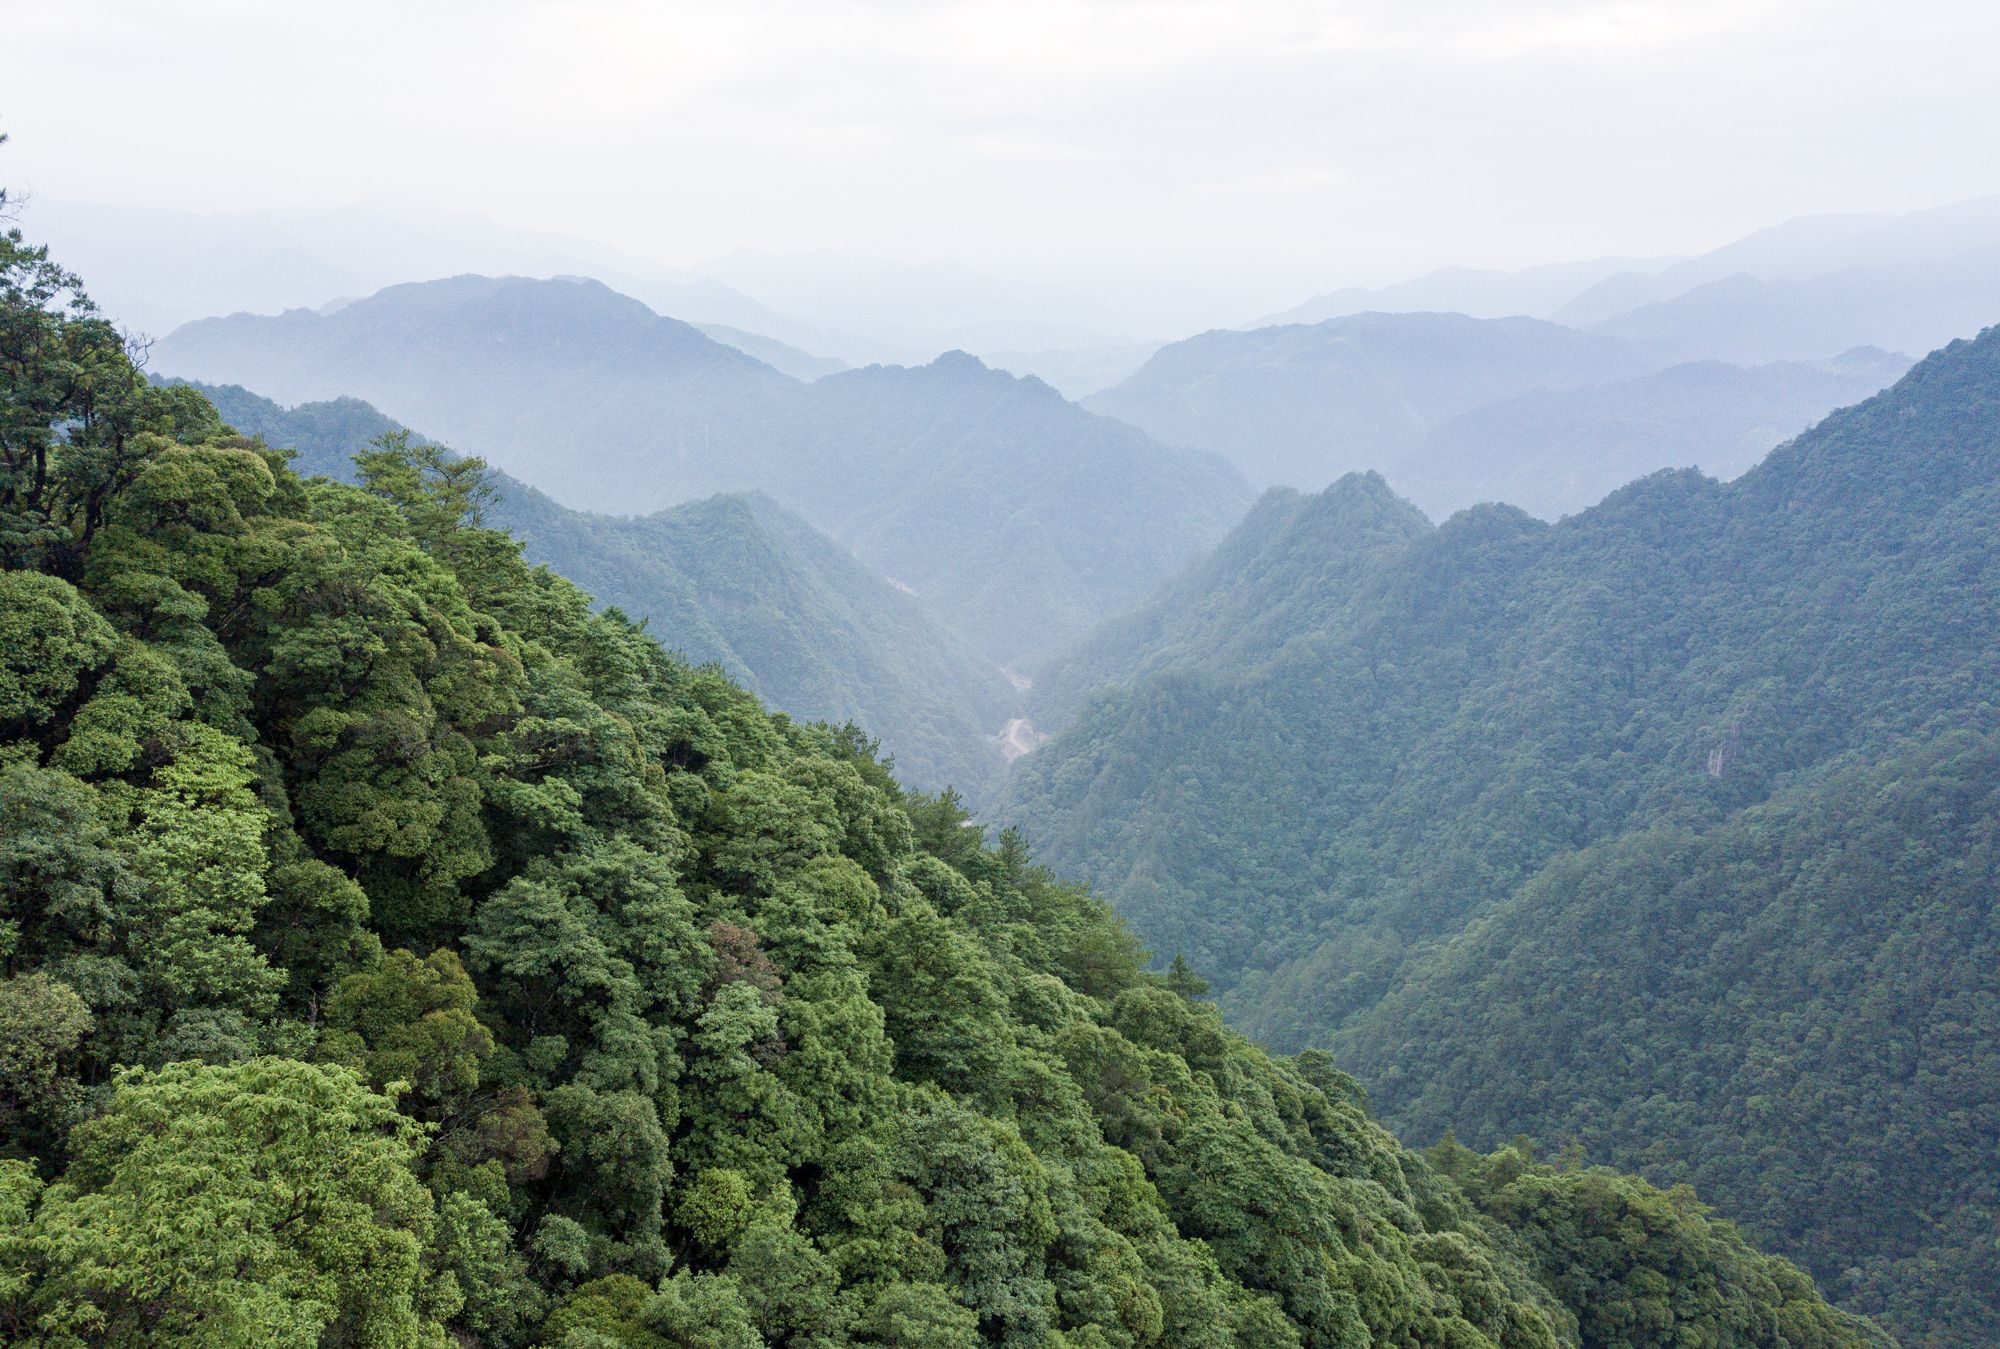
[1272, 148]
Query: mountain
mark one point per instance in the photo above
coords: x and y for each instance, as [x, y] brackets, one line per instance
[400, 952]
[1300, 405]
[153, 270]
[1276, 575]
[1802, 249]
[1812, 286]
[1556, 451]
[643, 411]
[1609, 1003]
[1018, 517]
[1370, 773]
[1016, 514]
[735, 581]
[1905, 306]
[1799, 290]
[1531, 292]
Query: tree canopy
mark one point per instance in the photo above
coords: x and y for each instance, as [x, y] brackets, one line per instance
[398, 952]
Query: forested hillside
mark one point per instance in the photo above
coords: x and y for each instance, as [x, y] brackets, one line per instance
[731, 580]
[1285, 571]
[1356, 790]
[1020, 518]
[1797, 1009]
[397, 952]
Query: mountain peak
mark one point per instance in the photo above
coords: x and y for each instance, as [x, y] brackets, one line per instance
[956, 359]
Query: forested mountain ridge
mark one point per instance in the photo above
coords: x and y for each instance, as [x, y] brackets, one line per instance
[396, 952]
[732, 580]
[1339, 829]
[1020, 518]
[1292, 561]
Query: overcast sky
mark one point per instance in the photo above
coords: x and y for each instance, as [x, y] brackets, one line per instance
[1272, 148]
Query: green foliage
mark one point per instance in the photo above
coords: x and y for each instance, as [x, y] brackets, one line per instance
[271, 1202]
[1610, 997]
[1661, 829]
[722, 1040]
[1617, 1248]
[42, 1023]
[410, 1021]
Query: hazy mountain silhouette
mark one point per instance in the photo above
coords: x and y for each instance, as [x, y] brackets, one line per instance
[1300, 405]
[1022, 518]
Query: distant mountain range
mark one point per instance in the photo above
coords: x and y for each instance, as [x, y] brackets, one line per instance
[1074, 372]
[566, 384]
[1301, 404]
[1800, 250]
[1582, 294]
[738, 582]
[1455, 410]
[154, 269]
[1556, 451]
[1021, 518]
[1904, 306]
[1532, 292]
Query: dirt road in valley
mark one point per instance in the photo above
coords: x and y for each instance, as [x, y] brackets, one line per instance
[1018, 737]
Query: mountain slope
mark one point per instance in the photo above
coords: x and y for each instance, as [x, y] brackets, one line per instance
[400, 953]
[1298, 406]
[738, 582]
[1608, 1002]
[1441, 725]
[1018, 517]
[792, 616]
[1284, 570]
[780, 356]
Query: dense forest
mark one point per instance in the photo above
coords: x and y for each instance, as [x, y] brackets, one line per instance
[1666, 830]
[399, 952]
